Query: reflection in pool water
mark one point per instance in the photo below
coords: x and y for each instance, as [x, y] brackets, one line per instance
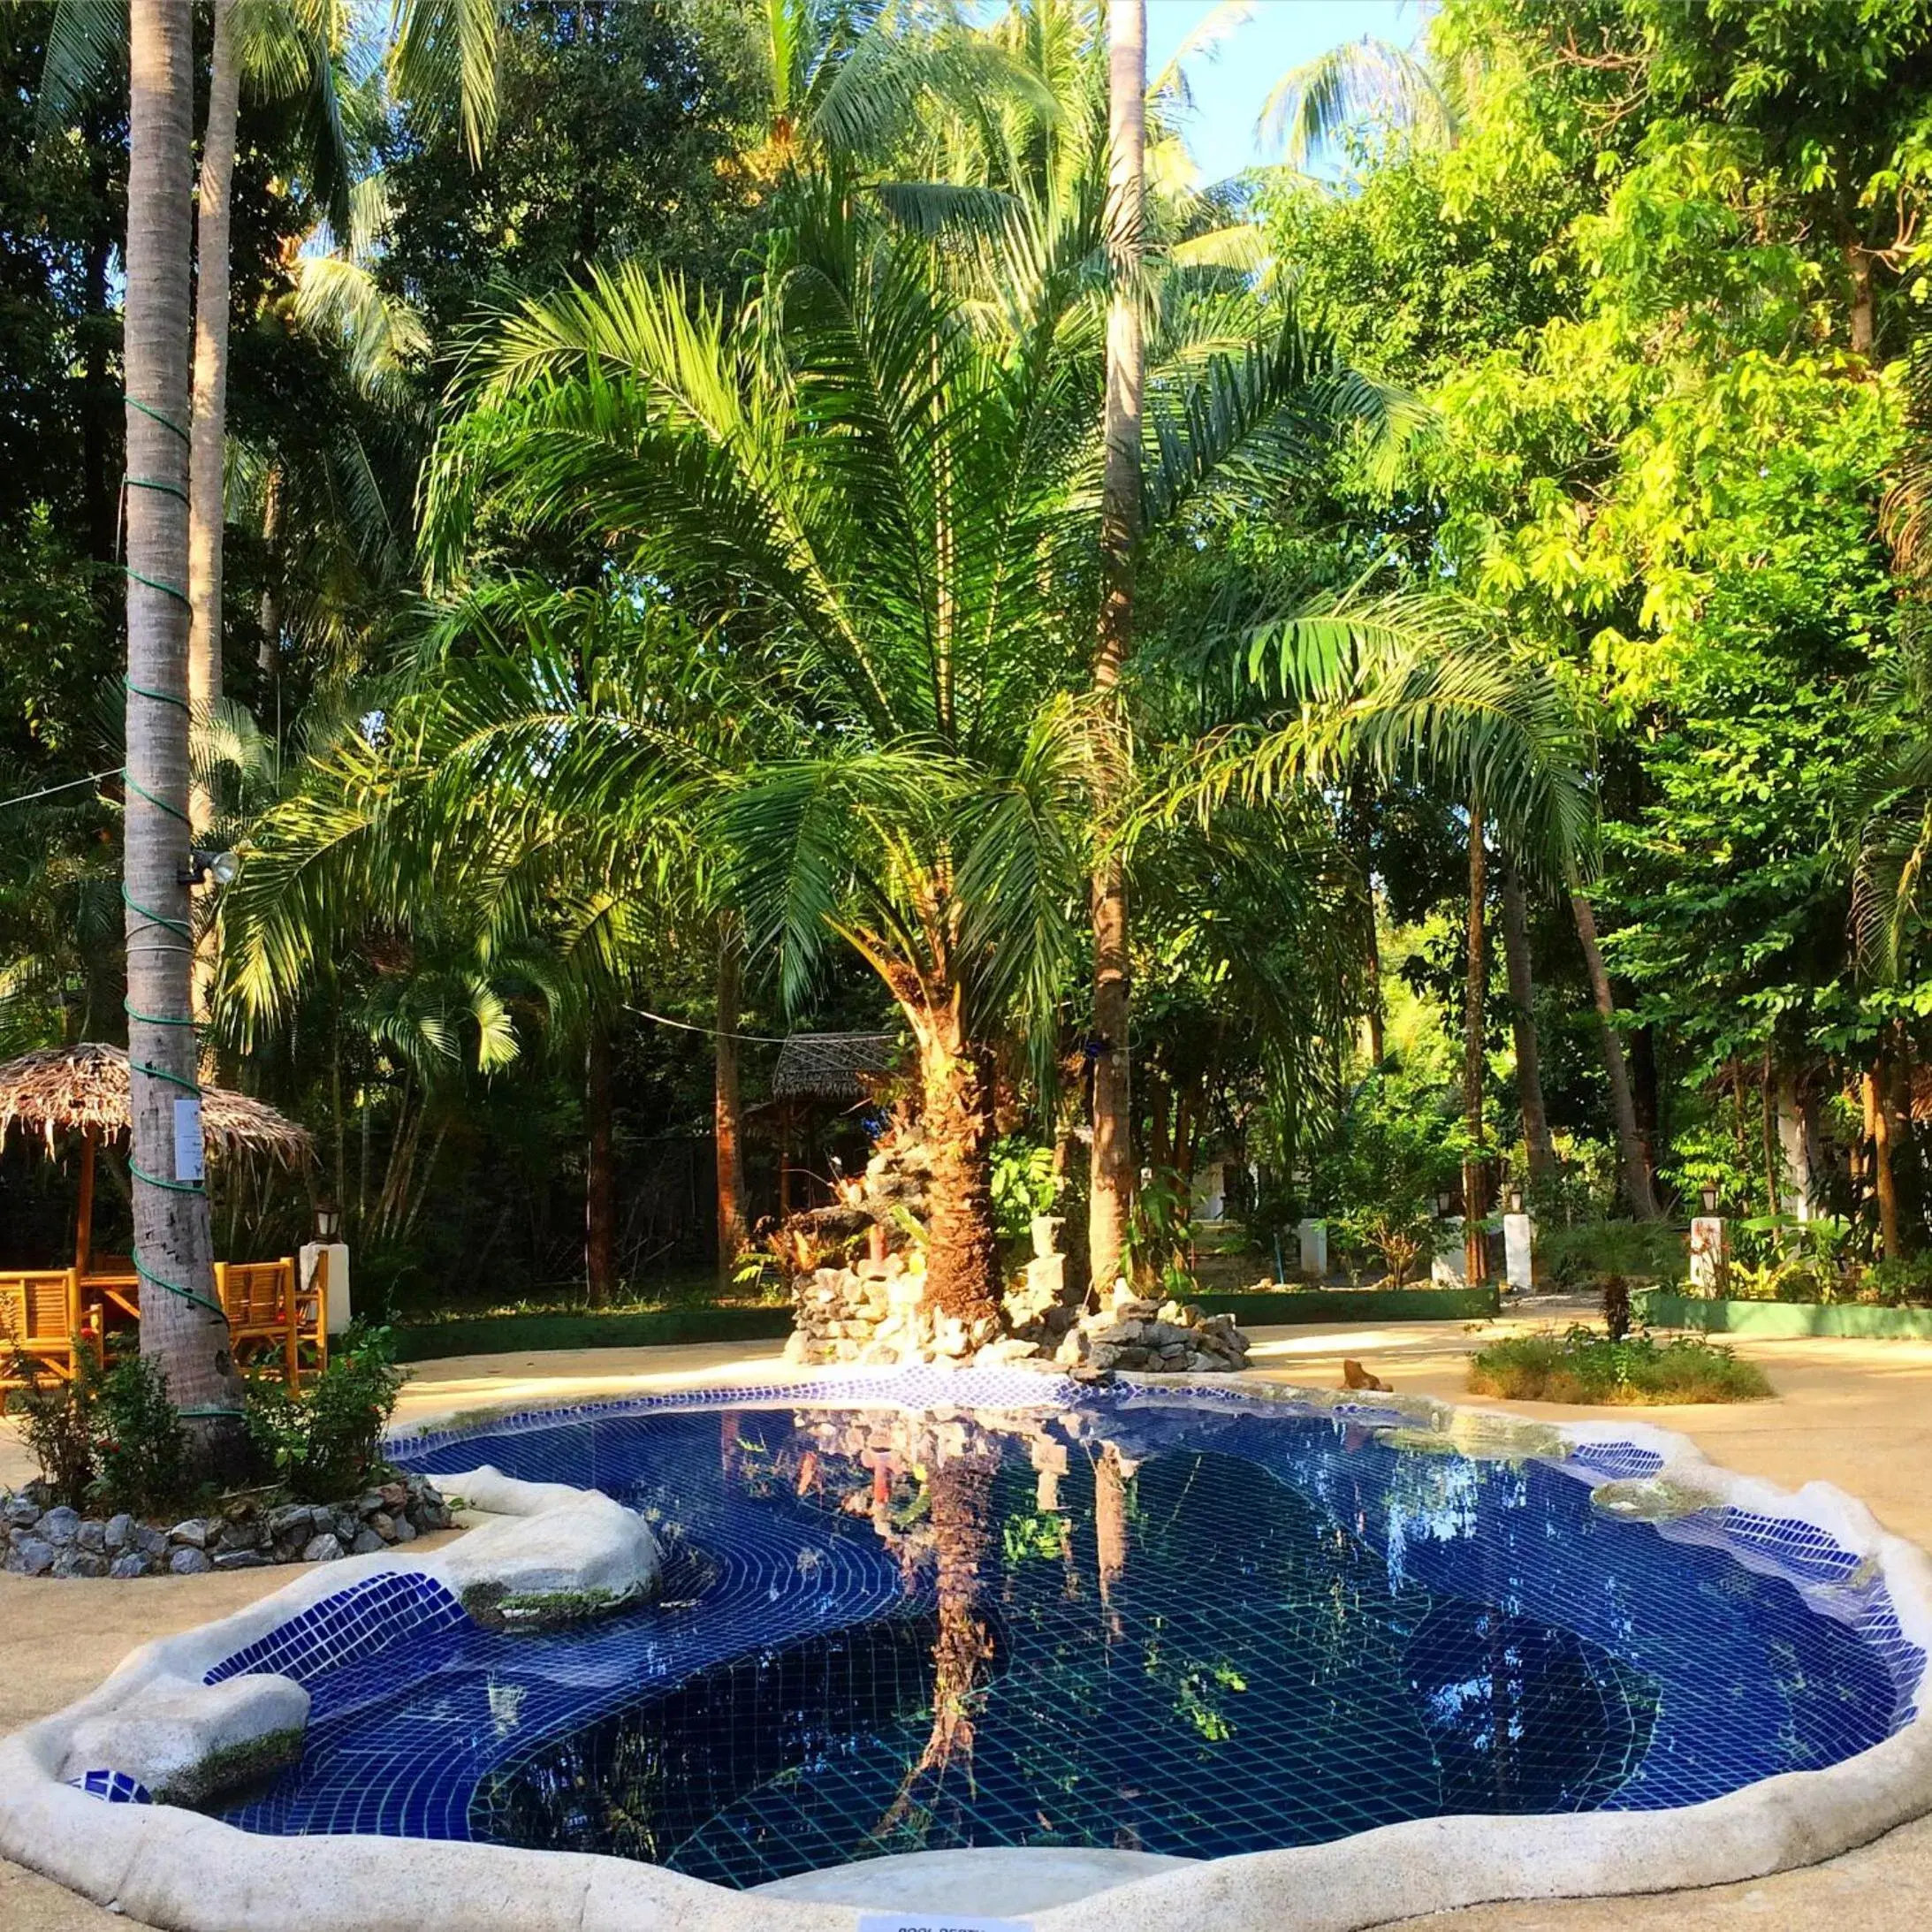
[1171, 1627]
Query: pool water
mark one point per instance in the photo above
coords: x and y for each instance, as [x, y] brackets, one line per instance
[1173, 1626]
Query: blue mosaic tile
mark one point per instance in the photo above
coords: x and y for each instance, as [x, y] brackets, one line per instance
[113, 1787]
[1435, 1634]
[1622, 1461]
[355, 1625]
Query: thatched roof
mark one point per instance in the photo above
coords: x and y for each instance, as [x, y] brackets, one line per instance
[831, 1066]
[75, 1087]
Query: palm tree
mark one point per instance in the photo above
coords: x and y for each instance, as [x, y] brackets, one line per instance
[1112, 1165]
[880, 506]
[1418, 686]
[182, 1324]
[285, 48]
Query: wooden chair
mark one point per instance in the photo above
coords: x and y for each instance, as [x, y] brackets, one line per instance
[259, 1300]
[312, 1317]
[40, 1323]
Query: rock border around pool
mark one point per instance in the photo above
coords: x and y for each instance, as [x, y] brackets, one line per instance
[187, 1873]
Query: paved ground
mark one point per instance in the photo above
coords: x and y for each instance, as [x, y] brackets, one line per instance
[1858, 1414]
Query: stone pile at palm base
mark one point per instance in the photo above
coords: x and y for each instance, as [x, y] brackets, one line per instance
[876, 1312]
[1154, 1337]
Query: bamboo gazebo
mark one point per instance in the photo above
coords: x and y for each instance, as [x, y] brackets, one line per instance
[48, 1315]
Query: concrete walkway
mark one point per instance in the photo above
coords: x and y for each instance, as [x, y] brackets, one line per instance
[1858, 1414]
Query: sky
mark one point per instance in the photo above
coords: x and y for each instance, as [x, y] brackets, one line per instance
[1230, 88]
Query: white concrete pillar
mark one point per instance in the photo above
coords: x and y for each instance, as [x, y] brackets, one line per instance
[340, 1312]
[1519, 1252]
[1314, 1247]
[1710, 1254]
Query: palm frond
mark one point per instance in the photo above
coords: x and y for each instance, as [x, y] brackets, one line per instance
[1312, 105]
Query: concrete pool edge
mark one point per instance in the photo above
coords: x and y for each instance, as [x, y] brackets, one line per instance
[179, 1869]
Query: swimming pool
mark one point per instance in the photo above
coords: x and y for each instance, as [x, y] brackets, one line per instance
[1190, 1624]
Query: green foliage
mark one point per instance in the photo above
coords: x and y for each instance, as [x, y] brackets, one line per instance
[324, 1443]
[109, 1437]
[1584, 1367]
[1024, 1184]
[142, 1447]
[1591, 1252]
[1395, 1151]
[56, 1419]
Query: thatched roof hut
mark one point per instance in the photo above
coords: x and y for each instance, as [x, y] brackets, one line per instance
[84, 1089]
[831, 1066]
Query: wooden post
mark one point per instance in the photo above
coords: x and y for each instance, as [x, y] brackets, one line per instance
[83, 1233]
[291, 1305]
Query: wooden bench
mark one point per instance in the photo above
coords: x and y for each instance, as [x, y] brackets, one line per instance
[40, 1330]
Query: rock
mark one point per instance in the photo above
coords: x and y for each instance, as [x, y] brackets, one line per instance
[291, 1519]
[21, 1513]
[241, 1559]
[117, 1534]
[188, 1560]
[368, 1502]
[588, 1546]
[395, 1496]
[184, 1739]
[150, 1541]
[346, 1525]
[384, 1524]
[132, 1564]
[79, 1563]
[321, 1550]
[192, 1534]
[241, 1509]
[1355, 1376]
[91, 1537]
[365, 1544]
[60, 1526]
[406, 1531]
[240, 1534]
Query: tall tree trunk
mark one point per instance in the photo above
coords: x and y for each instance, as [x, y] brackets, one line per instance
[1529, 1074]
[1858, 262]
[1475, 1201]
[599, 1204]
[956, 1124]
[269, 652]
[728, 1109]
[1638, 1192]
[1878, 1126]
[1111, 1183]
[1377, 1045]
[182, 1326]
[210, 404]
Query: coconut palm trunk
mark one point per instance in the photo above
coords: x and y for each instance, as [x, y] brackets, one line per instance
[1111, 1178]
[209, 429]
[1529, 1073]
[727, 1108]
[182, 1326]
[956, 1125]
[1638, 1192]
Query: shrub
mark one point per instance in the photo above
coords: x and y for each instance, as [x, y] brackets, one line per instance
[57, 1421]
[1400, 1233]
[1584, 1367]
[1904, 1283]
[324, 1443]
[141, 1447]
[1594, 1251]
[110, 1435]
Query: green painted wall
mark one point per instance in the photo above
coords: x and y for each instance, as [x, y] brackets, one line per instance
[1661, 1310]
[1300, 1306]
